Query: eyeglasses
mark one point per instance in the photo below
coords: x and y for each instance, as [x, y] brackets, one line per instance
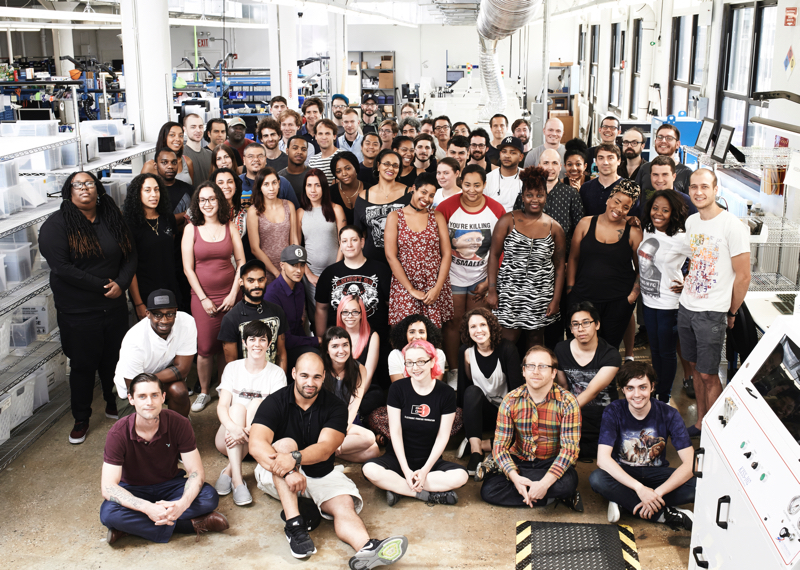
[631, 143]
[609, 128]
[534, 367]
[662, 138]
[418, 364]
[88, 184]
[254, 156]
[340, 106]
[204, 201]
[351, 313]
[390, 165]
[477, 146]
[161, 316]
[370, 105]
[580, 325]
[441, 128]
[386, 131]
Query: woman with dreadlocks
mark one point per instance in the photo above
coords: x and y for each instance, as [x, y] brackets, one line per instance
[92, 261]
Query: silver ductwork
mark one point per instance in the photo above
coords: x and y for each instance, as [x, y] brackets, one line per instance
[498, 19]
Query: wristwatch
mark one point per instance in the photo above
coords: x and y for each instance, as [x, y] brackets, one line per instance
[732, 315]
[297, 456]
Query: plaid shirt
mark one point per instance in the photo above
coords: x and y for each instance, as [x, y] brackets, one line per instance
[529, 431]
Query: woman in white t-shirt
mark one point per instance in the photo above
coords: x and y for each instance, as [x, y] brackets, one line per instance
[661, 256]
[245, 383]
[447, 172]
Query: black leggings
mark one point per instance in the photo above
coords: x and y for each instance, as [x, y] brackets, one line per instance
[479, 413]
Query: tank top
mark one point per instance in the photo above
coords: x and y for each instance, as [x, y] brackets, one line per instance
[184, 173]
[321, 239]
[493, 387]
[605, 270]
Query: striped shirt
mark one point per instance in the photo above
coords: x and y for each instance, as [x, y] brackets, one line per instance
[324, 164]
[528, 431]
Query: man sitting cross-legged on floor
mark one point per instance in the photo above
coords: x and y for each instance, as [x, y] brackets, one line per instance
[294, 436]
[632, 455]
[145, 493]
[535, 442]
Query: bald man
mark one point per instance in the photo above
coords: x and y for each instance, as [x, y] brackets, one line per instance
[564, 203]
[553, 131]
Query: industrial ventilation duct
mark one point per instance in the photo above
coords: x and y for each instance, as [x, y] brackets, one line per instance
[498, 19]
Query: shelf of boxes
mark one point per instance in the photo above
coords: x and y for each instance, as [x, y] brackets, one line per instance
[15, 147]
[108, 160]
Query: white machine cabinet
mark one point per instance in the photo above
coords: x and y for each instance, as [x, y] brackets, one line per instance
[747, 507]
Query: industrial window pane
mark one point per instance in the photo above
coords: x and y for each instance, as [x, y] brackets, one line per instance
[741, 41]
[635, 95]
[595, 43]
[614, 90]
[637, 67]
[684, 49]
[757, 134]
[678, 99]
[733, 111]
[766, 47]
[699, 55]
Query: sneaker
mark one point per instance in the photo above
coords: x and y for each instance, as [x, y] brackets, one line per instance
[300, 543]
[486, 467]
[688, 387]
[201, 402]
[242, 496]
[445, 498]
[693, 431]
[678, 518]
[114, 535]
[474, 460]
[575, 502]
[462, 448]
[392, 498]
[224, 484]
[379, 553]
[111, 412]
[78, 433]
[613, 512]
[190, 390]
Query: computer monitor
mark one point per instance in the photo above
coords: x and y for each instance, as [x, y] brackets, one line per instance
[32, 114]
[453, 75]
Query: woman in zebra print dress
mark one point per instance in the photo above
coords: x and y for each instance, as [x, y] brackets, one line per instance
[525, 290]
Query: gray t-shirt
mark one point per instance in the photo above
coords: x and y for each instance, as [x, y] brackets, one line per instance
[296, 180]
[201, 162]
[278, 163]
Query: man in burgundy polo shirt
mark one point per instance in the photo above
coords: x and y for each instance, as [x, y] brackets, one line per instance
[145, 493]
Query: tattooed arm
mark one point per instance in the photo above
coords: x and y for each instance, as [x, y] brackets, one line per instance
[194, 482]
[111, 476]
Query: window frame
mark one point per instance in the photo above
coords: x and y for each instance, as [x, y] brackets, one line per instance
[582, 50]
[594, 63]
[636, 66]
[673, 68]
[616, 67]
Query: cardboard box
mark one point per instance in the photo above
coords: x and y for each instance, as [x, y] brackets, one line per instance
[388, 109]
[387, 62]
[43, 309]
[386, 80]
[353, 65]
[363, 65]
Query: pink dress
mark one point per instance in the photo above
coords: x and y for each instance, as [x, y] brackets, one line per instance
[420, 254]
[273, 238]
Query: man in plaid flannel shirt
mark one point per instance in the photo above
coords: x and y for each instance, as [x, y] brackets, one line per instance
[536, 441]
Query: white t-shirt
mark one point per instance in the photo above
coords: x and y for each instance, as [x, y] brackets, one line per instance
[470, 238]
[396, 365]
[438, 198]
[660, 260]
[143, 350]
[246, 387]
[711, 244]
[504, 189]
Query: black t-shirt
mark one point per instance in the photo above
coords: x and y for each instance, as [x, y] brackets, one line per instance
[371, 282]
[409, 178]
[176, 193]
[233, 322]
[420, 416]
[579, 376]
[156, 268]
[336, 198]
[280, 413]
[279, 163]
[296, 180]
[366, 176]
[371, 218]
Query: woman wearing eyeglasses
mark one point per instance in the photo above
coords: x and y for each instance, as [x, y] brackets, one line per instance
[351, 315]
[92, 259]
[488, 369]
[421, 413]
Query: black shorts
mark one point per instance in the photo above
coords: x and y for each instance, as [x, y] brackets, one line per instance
[389, 462]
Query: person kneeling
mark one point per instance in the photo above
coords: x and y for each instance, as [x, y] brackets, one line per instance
[421, 412]
[633, 471]
[145, 493]
[536, 441]
[294, 437]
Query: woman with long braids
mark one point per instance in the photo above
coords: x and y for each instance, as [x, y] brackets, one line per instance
[92, 261]
[171, 136]
[148, 214]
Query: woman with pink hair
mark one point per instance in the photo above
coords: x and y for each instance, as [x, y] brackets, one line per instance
[421, 414]
[351, 315]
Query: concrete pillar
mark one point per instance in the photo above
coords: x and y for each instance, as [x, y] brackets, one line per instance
[283, 29]
[337, 51]
[148, 73]
[63, 45]
[661, 63]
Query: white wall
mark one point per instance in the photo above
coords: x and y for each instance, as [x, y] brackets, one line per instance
[251, 46]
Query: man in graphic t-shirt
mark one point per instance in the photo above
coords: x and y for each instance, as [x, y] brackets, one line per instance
[587, 365]
[633, 471]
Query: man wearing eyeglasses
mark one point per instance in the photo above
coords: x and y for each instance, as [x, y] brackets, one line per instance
[478, 147]
[667, 142]
[632, 147]
[255, 158]
[338, 104]
[370, 118]
[441, 131]
[536, 441]
[164, 343]
[587, 365]
[608, 131]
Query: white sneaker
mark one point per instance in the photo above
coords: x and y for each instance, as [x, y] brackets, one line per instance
[613, 512]
[201, 402]
[462, 448]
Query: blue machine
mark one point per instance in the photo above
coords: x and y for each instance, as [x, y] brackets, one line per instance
[689, 129]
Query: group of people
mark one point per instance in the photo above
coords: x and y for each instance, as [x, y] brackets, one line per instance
[367, 284]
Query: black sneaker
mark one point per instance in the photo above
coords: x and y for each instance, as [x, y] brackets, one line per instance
[688, 387]
[575, 502]
[300, 542]
[445, 498]
[474, 460]
[677, 518]
[392, 498]
[379, 553]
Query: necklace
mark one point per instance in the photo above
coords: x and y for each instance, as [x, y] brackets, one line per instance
[153, 227]
[352, 196]
[259, 308]
[418, 209]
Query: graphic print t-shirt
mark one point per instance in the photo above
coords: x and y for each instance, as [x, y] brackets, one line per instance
[371, 218]
[642, 443]
[712, 244]
[235, 320]
[470, 238]
[371, 282]
[420, 416]
[660, 260]
[579, 376]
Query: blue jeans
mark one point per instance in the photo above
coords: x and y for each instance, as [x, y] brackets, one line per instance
[662, 333]
[609, 488]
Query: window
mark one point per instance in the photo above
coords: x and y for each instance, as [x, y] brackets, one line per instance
[582, 51]
[748, 45]
[594, 62]
[617, 56]
[636, 68]
[688, 61]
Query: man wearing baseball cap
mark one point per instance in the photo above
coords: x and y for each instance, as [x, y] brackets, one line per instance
[503, 184]
[370, 118]
[288, 292]
[236, 137]
[163, 343]
[338, 104]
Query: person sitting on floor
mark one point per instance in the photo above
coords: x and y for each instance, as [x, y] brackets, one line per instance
[633, 471]
[294, 437]
[244, 385]
[421, 412]
[536, 441]
[145, 493]
[163, 344]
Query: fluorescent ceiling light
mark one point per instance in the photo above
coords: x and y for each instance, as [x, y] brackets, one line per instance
[216, 24]
[36, 14]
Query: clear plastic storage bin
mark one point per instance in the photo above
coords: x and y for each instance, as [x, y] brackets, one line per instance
[43, 161]
[56, 371]
[30, 195]
[29, 129]
[22, 400]
[17, 261]
[9, 172]
[23, 330]
[69, 155]
[6, 417]
[10, 202]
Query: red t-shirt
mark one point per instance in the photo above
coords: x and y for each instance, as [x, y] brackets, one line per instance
[239, 151]
[149, 462]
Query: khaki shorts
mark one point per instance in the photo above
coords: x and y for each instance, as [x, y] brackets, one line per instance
[318, 489]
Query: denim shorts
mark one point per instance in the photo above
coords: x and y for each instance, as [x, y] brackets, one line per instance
[457, 290]
[702, 335]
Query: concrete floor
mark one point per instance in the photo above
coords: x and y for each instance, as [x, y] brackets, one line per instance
[50, 499]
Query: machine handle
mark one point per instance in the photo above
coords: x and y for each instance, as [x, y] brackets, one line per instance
[726, 499]
[696, 551]
[697, 453]
[749, 391]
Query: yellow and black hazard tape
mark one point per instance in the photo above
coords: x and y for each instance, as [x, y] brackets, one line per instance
[524, 545]
[629, 552]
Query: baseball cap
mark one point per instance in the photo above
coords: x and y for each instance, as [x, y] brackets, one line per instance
[161, 299]
[237, 122]
[342, 97]
[511, 141]
[294, 254]
[369, 97]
